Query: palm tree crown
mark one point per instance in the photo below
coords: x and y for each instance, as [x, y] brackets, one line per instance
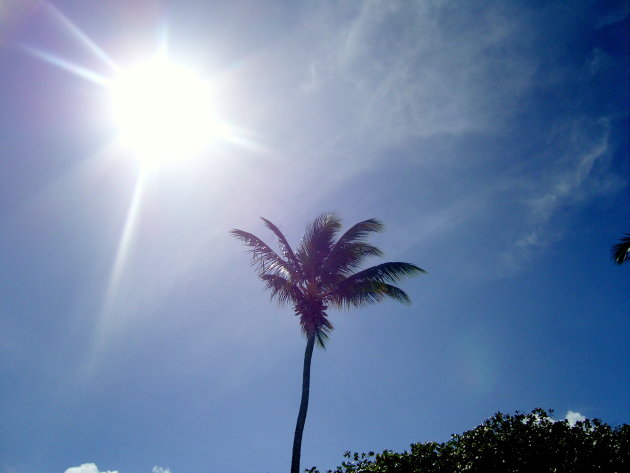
[322, 272]
[620, 250]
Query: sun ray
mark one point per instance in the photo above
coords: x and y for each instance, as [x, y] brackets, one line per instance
[66, 65]
[124, 245]
[243, 138]
[84, 39]
[107, 322]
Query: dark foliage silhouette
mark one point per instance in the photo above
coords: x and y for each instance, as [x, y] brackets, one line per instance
[620, 250]
[520, 443]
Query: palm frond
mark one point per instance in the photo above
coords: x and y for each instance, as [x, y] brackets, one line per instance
[264, 258]
[350, 250]
[318, 325]
[386, 272]
[322, 336]
[372, 285]
[363, 293]
[620, 250]
[342, 260]
[396, 293]
[360, 231]
[285, 248]
[317, 242]
[281, 289]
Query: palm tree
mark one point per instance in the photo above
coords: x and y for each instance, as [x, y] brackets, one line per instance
[621, 249]
[322, 273]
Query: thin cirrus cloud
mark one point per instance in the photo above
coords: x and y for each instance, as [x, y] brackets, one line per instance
[412, 83]
[576, 172]
[430, 78]
[386, 86]
[420, 75]
[408, 69]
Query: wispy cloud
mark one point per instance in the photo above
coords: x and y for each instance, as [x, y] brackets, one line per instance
[572, 170]
[418, 75]
[421, 68]
[415, 76]
[574, 151]
[390, 76]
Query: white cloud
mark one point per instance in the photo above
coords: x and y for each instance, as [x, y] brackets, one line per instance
[159, 469]
[87, 468]
[574, 417]
[92, 468]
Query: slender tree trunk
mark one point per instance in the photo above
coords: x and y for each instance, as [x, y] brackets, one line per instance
[299, 426]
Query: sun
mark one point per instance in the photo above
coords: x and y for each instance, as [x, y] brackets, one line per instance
[163, 111]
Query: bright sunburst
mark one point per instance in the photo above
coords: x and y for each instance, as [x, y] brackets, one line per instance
[163, 111]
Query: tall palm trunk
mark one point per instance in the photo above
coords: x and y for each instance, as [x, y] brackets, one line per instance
[299, 426]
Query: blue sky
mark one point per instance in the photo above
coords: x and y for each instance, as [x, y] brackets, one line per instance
[490, 137]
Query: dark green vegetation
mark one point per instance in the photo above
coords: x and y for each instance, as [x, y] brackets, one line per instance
[523, 443]
[322, 272]
[621, 249]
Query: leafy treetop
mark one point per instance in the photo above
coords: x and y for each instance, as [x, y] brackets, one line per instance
[519, 443]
